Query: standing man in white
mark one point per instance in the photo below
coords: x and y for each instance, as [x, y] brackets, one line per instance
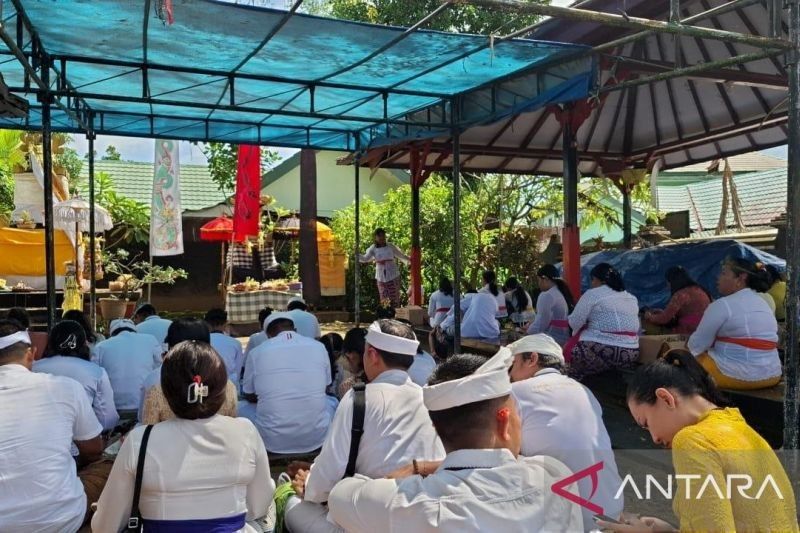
[561, 418]
[385, 255]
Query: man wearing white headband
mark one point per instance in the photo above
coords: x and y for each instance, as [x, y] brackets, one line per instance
[562, 418]
[396, 427]
[128, 357]
[41, 415]
[481, 485]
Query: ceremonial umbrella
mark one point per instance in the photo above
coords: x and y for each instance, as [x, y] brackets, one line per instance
[219, 230]
[72, 216]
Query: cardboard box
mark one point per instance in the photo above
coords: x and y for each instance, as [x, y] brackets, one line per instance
[651, 346]
[413, 313]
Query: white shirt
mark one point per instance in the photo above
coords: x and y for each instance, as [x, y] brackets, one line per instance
[605, 312]
[156, 326]
[397, 430]
[479, 319]
[231, 352]
[255, 340]
[384, 257]
[744, 315]
[561, 418]
[128, 358]
[438, 306]
[525, 315]
[495, 493]
[92, 377]
[551, 305]
[422, 368]
[502, 310]
[40, 416]
[194, 469]
[289, 374]
[305, 323]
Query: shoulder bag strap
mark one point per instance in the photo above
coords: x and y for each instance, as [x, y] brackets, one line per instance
[359, 408]
[134, 522]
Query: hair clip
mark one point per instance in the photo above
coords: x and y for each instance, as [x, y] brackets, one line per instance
[759, 265]
[70, 342]
[676, 362]
[197, 391]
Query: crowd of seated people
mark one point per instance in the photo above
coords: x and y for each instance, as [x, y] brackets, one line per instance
[399, 437]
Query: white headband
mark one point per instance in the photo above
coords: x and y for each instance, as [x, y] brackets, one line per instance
[14, 338]
[389, 343]
[487, 382]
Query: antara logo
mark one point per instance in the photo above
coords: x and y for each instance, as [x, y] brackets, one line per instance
[559, 487]
[742, 483]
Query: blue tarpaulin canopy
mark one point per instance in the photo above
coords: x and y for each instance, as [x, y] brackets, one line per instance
[242, 74]
[643, 270]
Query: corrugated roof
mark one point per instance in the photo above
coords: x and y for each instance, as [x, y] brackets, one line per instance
[762, 196]
[135, 180]
[750, 162]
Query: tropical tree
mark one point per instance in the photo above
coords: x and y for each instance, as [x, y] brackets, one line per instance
[223, 160]
[112, 154]
[10, 157]
[459, 17]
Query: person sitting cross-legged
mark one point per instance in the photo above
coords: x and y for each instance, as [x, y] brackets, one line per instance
[481, 485]
[147, 321]
[155, 407]
[128, 357]
[305, 323]
[561, 418]
[396, 428]
[41, 416]
[67, 354]
[259, 337]
[284, 386]
[202, 471]
[226, 346]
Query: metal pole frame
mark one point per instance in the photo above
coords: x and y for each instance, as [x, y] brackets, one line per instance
[47, 164]
[357, 263]
[90, 136]
[455, 113]
[791, 435]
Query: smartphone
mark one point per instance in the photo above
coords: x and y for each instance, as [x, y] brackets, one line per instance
[605, 518]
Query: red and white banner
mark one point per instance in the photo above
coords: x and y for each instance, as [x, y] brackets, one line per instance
[247, 207]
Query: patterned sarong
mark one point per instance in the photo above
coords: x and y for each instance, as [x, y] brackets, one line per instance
[390, 290]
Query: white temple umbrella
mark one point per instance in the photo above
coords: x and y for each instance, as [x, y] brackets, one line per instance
[72, 216]
[76, 211]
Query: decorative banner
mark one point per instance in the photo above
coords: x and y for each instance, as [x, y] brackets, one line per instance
[166, 229]
[247, 207]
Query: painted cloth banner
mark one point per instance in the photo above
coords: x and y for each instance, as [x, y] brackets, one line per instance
[247, 207]
[166, 229]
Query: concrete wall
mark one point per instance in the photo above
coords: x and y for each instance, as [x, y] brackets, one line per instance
[335, 185]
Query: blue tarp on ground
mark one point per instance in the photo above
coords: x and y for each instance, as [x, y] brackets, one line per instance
[643, 270]
[243, 74]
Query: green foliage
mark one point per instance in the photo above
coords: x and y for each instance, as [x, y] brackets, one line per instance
[10, 156]
[112, 154]
[131, 218]
[135, 273]
[459, 17]
[223, 160]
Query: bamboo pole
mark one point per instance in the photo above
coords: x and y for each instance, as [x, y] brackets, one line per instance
[633, 23]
